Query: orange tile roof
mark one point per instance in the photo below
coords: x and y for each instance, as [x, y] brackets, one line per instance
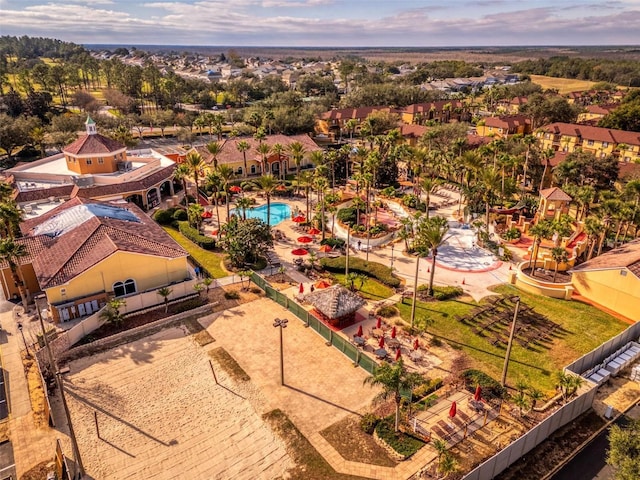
[554, 193]
[92, 145]
[587, 132]
[509, 122]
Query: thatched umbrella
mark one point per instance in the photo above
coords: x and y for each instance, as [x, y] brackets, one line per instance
[335, 303]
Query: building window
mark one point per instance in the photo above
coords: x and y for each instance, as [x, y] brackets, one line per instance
[491, 129]
[63, 292]
[120, 289]
[89, 161]
[253, 169]
[590, 143]
[100, 161]
[605, 144]
[602, 154]
[627, 159]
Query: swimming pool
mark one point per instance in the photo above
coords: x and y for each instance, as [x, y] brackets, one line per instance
[279, 212]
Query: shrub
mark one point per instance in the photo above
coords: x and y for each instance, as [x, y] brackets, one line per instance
[163, 217]
[443, 293]
[232, 295]
[402, 443]
[376, 270]
[368, 423]
[388, 192]
[348, 215]
[187, 305]
[430, 386]
[387, 311]
[180, 215]
[410, 201]
[436, 342]
[333, 242]
[512, 234]
[208, 243]
[490, 387]
[378, 228]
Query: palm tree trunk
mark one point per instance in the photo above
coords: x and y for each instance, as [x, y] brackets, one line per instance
[268, 209]
[415, 292]
[433, 272]
[397, 426]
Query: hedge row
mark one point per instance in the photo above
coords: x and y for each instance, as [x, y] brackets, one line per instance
[208, 243]
[166, 217]
[358, 265]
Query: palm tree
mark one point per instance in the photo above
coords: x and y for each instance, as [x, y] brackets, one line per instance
[393, 379]
[559, 255]
[428, 185]
[194, 163]
[321, 185]
[165, 292]
[440, 447]
[277, 149]
[593, 228]
[520, 401]
[112, 313]
[540, 230]
[214, 149]
[264, 150]
[195, 212]
[180, 174]
[214, 183]
[430, 235]
[11, 252]
[447, 465]
[535, 395]
[242, 147]
[297, 151]
[243, 204]
[568, 384]
[10, 218]
[268, 184]
[306, 182]
[225, 172]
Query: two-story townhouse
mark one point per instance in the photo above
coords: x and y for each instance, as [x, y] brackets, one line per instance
[504, 126]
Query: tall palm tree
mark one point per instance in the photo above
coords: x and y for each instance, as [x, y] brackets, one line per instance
[277, 149]
[10, 218]
[243, 204]
[214, 183]
[165, 292]
[542, 229]
[306, 182]
[225, 172]
[214, 149]
[181, 174]
[393, 379]
[431, 233]
[320, 184]
[297, 151]
[12, 253]
[194, 163]
[242, 147]
[593, 228]
[264, 150]
[429, 184]
[559, 255]
[268, 184]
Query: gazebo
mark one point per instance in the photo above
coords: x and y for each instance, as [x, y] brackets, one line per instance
[336, 305]
[553, 203]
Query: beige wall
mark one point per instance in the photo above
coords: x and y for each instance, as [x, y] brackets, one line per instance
[611, 289]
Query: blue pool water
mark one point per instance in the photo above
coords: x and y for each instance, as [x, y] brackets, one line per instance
[279, 212]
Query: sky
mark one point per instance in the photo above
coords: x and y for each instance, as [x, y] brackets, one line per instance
[330, 23]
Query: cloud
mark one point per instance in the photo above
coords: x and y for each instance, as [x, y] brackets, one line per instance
[294, 3]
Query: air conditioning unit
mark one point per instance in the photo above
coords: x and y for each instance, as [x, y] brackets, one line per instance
[124, 166]
[83, 181]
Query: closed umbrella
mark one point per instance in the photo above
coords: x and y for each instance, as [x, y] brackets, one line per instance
[305, 239]
[393, 332]
[398, 355]
[379, 323]
[381, 342]
[359, 334]
[301, 289]
[300, 252]
[416, 344]
[452, 410]
[478, 395]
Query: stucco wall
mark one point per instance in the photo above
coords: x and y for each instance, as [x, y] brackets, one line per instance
[617, 289]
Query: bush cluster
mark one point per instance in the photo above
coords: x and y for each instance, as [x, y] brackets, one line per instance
[490, 387]
[368, 423]
[166, 217]
[334, 242]
[443, 293]
[512, 234]
[402, 443]
[208, 243]
[430, 386]
[231, 295]
[357, 265]
[387, 311]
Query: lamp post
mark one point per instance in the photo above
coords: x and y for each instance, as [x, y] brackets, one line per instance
[511, 335]
[20, 327]
[60, 385]
[392, 245]
[282, 323]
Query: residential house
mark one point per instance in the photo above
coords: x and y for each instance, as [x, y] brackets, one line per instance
[277, 164]
[593, 113]
[612, 280]
[600, 141]
[84, 252]
[333, 122]
[442, 111]
[504, 126]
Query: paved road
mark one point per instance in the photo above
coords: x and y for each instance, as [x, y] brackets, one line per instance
[590, 462]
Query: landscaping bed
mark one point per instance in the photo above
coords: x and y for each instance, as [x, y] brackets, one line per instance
[400, 442]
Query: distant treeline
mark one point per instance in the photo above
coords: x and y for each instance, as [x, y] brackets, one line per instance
[621, 72]
[36, 47]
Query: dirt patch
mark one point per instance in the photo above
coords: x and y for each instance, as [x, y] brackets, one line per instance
[40, 471]
[547, 275]
[310, 465]
[280, 281]
[353, 444]
[542, 459]
[229, 364]
[36, 393]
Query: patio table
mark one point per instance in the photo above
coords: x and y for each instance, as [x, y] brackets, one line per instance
[381, 353]
[393, 342]
[358, 340]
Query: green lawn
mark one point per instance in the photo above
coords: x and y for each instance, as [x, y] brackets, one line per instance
[371, 289]
[585, 328]
[210, 260]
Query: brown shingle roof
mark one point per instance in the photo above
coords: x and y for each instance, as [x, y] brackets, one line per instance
[93, 144]
[79, 249]
[96, 191]
[554, 193]
[42, 193]
[229, 153]
[625, 256]
[587, 132]
[508, 122]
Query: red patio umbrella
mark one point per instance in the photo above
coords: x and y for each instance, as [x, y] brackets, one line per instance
[379, 323]
[325, 248]
[359, 334]
[299, 252]
[207, 214]
[299, 219]
[452, 410]
[398, 354]
[478, 395]
[305, 239]
[381, 342]
[313, 231]
[416, 344]
[393, 332]
[235, 189]
[281, 188]
[301, 289]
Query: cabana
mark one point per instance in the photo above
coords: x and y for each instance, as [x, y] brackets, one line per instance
[336, 305]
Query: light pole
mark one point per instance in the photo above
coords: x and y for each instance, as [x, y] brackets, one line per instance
[20, 327]
[392, 245]
[282, 323]
[60, 385]
[511, 335]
